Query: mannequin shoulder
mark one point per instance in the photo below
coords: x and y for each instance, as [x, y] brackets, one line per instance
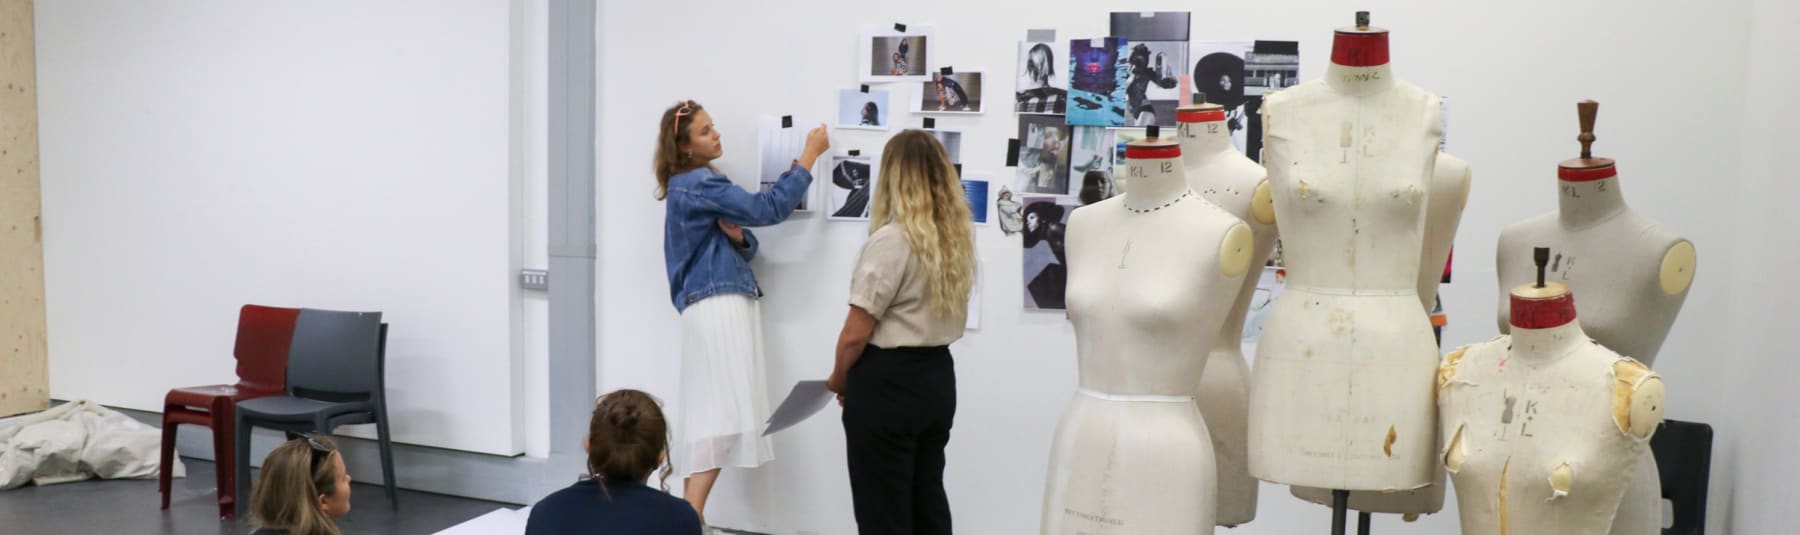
[1532, 229]
[1450, 369]
[1262, 204]
[1637, 397]
[1675, 256]
[1300, 94]
[1236, 250]
[1450, 180]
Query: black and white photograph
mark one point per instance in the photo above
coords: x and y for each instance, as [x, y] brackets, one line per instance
[889, 55]
[863, 110]
[852, 187]
[1156, 59]
[1091, 162]
[777, 148]
[1153, 85]
[1097, 80]
[1043, 154]
[952, 142]
[958, 92]
[1042, 85]
[1271, 66]
[1008, 210]
[1218, 72]
[1046, 266]
[1138, 26]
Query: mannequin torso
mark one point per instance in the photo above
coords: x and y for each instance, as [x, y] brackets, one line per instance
[1220, 173]
[1444, 213]
[1132, 453]
[1633, 275]
[1341, 394]
[1542, 427]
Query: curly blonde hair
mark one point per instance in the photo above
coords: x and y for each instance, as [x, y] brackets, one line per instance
[921, 191]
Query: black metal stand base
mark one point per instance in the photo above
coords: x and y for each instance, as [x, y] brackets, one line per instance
[1340, 503]
[1340, 509]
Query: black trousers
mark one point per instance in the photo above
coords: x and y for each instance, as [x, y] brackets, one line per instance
[898, 407]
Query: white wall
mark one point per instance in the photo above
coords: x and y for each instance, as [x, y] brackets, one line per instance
[349, 155]
[1666, 73]
[1759, 444]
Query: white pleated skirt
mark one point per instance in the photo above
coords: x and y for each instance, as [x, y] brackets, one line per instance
[724, 395]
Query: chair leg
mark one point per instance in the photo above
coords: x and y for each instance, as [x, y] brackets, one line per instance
[163, 477]
[385, 441]
[241, 460]
[224, 421]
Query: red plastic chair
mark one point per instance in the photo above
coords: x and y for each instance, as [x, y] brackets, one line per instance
[263, 336]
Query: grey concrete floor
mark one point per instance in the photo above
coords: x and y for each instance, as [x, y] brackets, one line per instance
[132, 507]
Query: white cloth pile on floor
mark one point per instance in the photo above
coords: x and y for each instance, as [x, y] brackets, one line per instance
[76, 441]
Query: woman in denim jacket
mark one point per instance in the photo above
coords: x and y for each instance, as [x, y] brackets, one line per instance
[707, 253]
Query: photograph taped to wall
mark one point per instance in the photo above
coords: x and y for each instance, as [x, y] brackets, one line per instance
[852, 187]
[1151, 25]
[960, 92]
[1121, 138]
[1043, 155]
[889, 55]
[952, 142]
[777, 148]
[1270, 66]
[1219, 70]
[1097, 72]
[975, 189]
[1009, 211]
[1152, 89]
[1091, 163]
[863, 111]
[1043, 85]
[1045, 265]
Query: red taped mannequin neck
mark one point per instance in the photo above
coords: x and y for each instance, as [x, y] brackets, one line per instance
[1360, 49]
[1542, 308]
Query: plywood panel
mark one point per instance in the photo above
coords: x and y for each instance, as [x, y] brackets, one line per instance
[24, 379]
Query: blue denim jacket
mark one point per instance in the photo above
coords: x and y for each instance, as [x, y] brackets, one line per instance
[700, 258]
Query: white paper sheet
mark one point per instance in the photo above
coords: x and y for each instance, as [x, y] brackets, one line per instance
[806, 399]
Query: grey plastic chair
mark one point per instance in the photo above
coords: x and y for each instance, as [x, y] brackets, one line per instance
[335, 377]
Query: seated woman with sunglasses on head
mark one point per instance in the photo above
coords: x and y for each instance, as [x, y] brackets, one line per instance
[303, 487]
[627, 441]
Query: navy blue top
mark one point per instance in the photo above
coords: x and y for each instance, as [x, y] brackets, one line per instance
[626, 508]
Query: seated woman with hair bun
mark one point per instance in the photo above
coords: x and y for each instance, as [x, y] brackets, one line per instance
[627, 441]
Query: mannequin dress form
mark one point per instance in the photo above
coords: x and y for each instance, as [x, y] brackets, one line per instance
[1131, 453]
[1632, 273]
[1453, 175]
[1341, 393]
[1220, 173]
[1541, 428]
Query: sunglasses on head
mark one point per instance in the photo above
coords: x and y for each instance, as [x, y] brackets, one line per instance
[319, 450]
[680, 112]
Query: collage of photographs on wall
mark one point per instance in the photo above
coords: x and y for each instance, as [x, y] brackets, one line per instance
[1078, 103]
[1081, 101]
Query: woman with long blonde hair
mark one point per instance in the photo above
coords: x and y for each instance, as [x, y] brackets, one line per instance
[302, 488]
[909, 297]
